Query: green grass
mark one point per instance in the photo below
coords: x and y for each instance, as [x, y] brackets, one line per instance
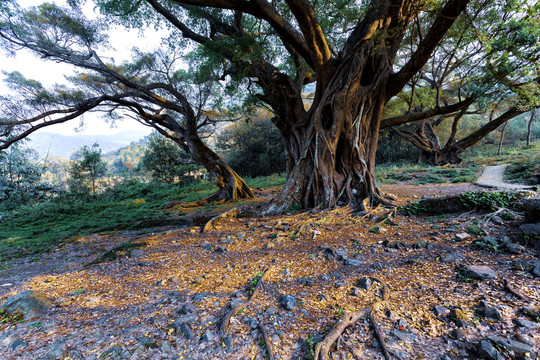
[420, 174]
[486, 155]
[40, 227]
[523, 170]
[266, 181]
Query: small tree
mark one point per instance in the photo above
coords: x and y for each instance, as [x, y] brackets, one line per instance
[256, 142]
[20, 175]
[164, 159]
[87, 167]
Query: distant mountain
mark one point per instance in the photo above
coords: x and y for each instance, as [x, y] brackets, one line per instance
[64, 146]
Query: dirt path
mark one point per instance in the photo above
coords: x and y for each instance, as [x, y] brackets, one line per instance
[493, 177]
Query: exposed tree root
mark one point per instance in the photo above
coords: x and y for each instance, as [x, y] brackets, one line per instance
[233, 310]
[227, 215]
[266, 342]
[511, 290]
[378, 335]
[348, 319]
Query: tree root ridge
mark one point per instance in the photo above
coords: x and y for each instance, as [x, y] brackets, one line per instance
[267, 342]
[234, 310]
[511, 290]
[350, 318]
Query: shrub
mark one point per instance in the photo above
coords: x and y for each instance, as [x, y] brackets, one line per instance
[486, 200]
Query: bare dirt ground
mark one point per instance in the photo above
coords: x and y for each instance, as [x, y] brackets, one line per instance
[123, 308]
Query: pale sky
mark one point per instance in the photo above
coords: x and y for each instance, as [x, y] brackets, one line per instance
[49, 73]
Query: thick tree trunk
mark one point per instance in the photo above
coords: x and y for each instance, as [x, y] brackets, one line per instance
[231, 185]
[333, 152]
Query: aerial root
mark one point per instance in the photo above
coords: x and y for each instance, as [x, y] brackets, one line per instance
[233, 310]
[350, 318]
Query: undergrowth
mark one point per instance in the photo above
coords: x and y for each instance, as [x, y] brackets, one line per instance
[490, 201]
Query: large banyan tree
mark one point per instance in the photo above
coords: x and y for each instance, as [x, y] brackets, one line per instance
[352, 56]
[347, 49]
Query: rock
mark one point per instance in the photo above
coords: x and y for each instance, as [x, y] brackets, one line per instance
[490, 240]
[406, 337]
[377, 230]
[462, 236]
[536, 271]
[526, 323]
[208, 336]
[514, 248]
[177, 325]
[364, 283]
[459, 334]
[288, 302]
[30, 303]
[512, 345]
[524, 339]
[352, 262]
[306, 282]
[188, 308]
[422, 245]
[18, 344]
[55, 352]
[479, 272]
[457, 314]
[206, 245]
[441, 310]
[452, 256]
[113, 351]
[531, 206]
[497, 220]
[530, 229]
[485, 349]
[492, 313]
[236, 302]
[271, 310]
[165, 347]
[227, 341]
[186, 330]
[199, 297]
[148, 342]
[531, 312]
[207, 319]
[275, 339]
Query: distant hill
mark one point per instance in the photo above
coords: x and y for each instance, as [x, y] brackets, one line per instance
[64, 145]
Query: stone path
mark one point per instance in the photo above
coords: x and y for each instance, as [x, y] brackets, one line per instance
[493, 177]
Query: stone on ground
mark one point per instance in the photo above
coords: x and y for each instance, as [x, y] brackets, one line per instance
[479, 272]
[29, 303]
